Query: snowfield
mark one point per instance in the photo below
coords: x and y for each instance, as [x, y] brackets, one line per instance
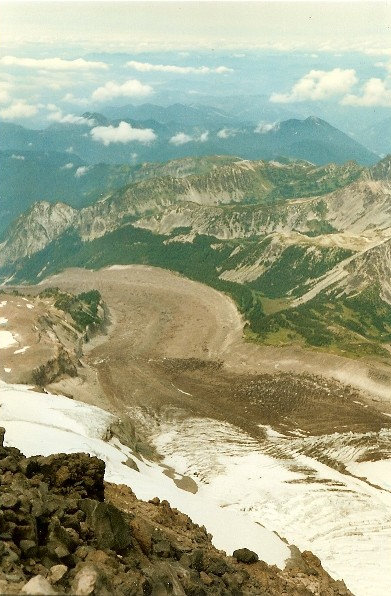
[39, 423]
[343, 519]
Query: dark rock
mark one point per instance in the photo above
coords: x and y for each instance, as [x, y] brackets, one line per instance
[28, 548]
[9, 501]
[245, 555]
[110, 529]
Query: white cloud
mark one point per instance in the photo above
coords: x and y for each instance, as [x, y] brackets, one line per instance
[131, 88]
[147, 67]
[53, 63]
[318, 85]
[123, 133]
[18, 157]
[58, 116]
[18, 109]
[69, 150]
[67, 166]
[265, 127]
[225, 133]
[182, 138]
[81, 171]
[375, 92]
[80, 101]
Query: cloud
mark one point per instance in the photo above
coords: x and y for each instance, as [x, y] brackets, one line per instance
[147, 67]
[80, 101]
[69, 150]
[67, 166]
[265, 127]
[18, 157]
[18, 109]
[81, 171]
[123, 133]
[131, 88]
[182, 138]
[58, 116]
[53, 63]
[318, 85]
[375, 92]
[225, 133]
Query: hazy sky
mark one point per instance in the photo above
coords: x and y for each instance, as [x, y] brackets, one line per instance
[163, 25]
[58, 59]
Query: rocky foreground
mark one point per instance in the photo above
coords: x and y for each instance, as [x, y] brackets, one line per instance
[65, 531]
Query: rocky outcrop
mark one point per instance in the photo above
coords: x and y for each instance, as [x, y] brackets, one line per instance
[64, 364]
[64, 532]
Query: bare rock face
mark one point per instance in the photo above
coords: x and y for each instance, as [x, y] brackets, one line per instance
[63, 531]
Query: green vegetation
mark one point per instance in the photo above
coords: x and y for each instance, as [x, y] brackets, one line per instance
[295, 266]
[353, 326]
[83, 308]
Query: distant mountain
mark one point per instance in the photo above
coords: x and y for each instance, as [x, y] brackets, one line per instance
[30, 176]
[188, 115]
[378, 136]
[312, 139]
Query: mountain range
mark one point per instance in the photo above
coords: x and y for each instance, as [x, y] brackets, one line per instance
[193, 132]
[304, 250]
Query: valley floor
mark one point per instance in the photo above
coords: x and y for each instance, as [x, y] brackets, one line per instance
[297, 440]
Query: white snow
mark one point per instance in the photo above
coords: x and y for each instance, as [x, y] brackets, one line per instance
[3, 303]
[377, 472]
[7, 370]
[3, 321]
[6, 340]
[39, 423]
[22, 350]
[30, 306]
[341, 518]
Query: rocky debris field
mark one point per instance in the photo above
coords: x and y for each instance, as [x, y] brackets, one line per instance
[63, 531]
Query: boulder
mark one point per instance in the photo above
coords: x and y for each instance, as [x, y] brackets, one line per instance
[245, 555]
[108, 525]
[38, 585]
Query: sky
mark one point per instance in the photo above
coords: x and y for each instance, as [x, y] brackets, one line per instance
[173, 25]
[60, 59]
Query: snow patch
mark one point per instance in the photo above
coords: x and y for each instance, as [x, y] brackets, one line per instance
[6, 340]
[3, 321]
[22, 350]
